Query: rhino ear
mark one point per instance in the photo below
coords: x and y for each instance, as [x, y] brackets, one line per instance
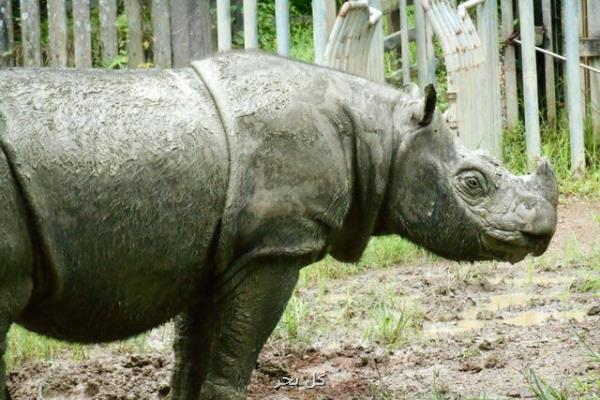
[413, 90]
[425, 109]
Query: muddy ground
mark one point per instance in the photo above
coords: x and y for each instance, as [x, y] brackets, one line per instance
[474, 331]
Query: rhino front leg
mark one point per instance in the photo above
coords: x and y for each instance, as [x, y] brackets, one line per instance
[222, 349]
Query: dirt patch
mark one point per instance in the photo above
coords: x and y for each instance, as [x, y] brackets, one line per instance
[481, 328]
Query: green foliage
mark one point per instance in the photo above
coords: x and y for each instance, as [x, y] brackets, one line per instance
[555, 147]
[26, 346]
[542, 390]
[393, 324]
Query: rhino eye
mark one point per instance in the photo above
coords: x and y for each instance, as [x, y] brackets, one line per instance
[472, 183]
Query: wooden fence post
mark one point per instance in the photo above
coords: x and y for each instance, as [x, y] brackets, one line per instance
[200, 29]
[530, 94]
[30, 33]
[323, 14]
[57, 32]
[108, 29]
[282, 21]
[6, 33]
[549, 63]
[572, 13]
[488, 31]
[135, 49]
[250, 25]
[511, 101]
[161, 27]
[406, 62]
[593, 8]
[421, 38]
[224, 25]
[82, 33]
[180, 33]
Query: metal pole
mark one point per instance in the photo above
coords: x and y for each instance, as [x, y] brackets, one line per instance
[250, 25]
[224, 25]
[572, 12]
[421, 38]
[404, 43]
[319, 29]
[511, 102]
[282, 22]
[532, 122]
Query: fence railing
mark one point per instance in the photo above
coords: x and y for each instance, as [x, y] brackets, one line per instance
[171, 33]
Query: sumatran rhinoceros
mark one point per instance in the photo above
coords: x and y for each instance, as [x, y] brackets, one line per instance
[130, 198]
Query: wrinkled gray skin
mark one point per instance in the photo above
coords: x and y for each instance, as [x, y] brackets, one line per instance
[129, 198]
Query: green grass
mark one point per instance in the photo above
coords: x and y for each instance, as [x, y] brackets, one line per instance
[555, 147]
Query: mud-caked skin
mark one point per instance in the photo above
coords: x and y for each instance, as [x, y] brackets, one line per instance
[130, 198]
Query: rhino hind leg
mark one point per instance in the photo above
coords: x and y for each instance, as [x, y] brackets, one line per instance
[216, 354]
[16, 258]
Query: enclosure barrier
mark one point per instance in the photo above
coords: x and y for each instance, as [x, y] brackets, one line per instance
[182, 30]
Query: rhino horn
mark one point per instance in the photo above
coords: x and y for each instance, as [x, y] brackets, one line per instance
[546, 178]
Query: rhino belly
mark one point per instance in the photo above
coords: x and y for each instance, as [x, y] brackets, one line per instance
[125, 175]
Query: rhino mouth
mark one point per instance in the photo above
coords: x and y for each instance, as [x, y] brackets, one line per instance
[513, 246]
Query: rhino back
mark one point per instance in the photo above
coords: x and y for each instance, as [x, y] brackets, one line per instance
[125, 175]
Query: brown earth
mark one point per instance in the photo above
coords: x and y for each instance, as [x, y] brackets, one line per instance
[483, 327]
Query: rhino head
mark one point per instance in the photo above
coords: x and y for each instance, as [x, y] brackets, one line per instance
[462, 204]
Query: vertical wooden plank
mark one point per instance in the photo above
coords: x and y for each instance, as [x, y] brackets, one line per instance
[511, 101]
[593, 8]
[161, 27]
[282, 21]
[224, 25]
[6, 33]
[487, 15]
[57, 32]
[250, 24]
[200, 29]
[30, 33]
[421, 38]
[406, 62]
[108, 29]
[135, 49]
[237, 19]
[82, 33]
[320, 35]
[180, 33]
[376, 64]
[431, 60]
[532, 122]
[330, 16]
[572, 12]
[549, 63]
